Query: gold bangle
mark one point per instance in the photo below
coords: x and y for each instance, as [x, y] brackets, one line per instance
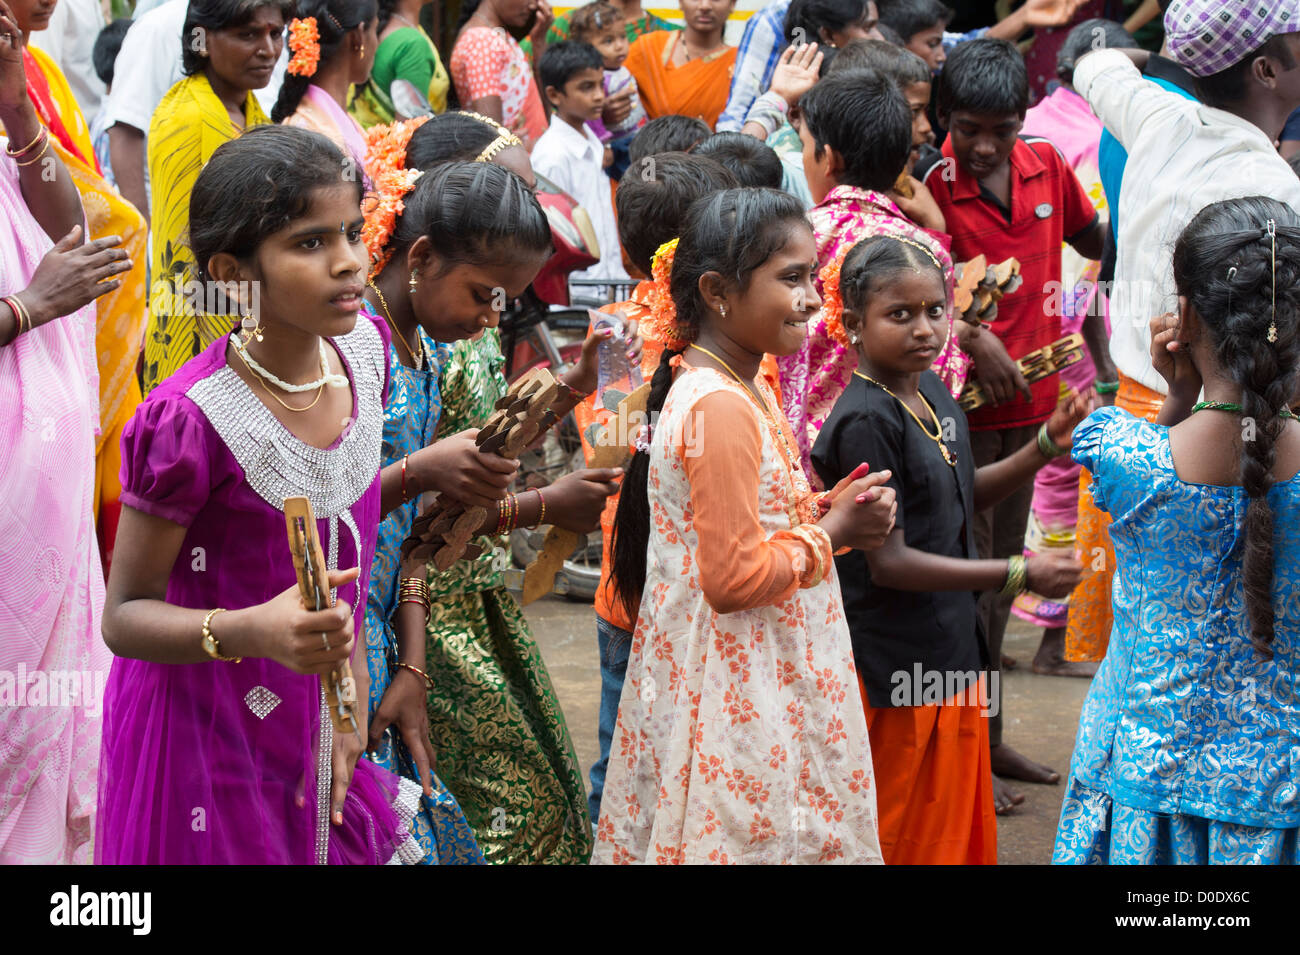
[37, 157]
[428, 680]
[211, 645]
[20, 312]
[15, 154]
[541, 514]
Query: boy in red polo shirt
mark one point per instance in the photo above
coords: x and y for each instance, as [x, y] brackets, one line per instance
[1003, 196]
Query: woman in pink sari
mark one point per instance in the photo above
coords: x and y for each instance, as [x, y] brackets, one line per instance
[52, 660]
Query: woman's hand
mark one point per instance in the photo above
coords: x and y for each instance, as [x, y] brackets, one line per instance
[796, 71]
[73, 274]
[1170, 358]
[922, 207]
[862, 512]
[13, 77]
[617, 107]
[1052, 574]
[456, 467]
[404, 705]
[543, 17]
[575, 501]
[302, 640]
[1050, 13]
[1072, 409]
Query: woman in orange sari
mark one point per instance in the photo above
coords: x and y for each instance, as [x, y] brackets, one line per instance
[121, 313]
[686, 72]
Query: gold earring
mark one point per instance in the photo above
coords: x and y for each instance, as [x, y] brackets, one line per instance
[412, 284]
[362, 51]
[250, 327]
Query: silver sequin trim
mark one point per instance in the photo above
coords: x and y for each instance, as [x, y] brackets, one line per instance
[277, 465]
[324, 780]
[261, 701]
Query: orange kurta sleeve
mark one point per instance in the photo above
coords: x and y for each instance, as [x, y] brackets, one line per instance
[740, 566]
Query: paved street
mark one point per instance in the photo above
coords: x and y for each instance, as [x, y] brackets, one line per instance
[1041, 714]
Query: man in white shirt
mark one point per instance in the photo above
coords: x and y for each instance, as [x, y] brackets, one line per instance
[148, 65]
[570, 154]
[1184, 155]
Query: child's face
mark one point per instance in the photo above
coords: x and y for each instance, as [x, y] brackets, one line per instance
[918, 101]
[612, 45]
[864, 29]
[904, 322]
[817, 170]
[771, 315]
[928, 45]
[982, 142]
[459, 302]
[313, 271]
[582, 98]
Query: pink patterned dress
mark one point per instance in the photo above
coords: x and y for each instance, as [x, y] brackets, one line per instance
[53, 661]
[488, 62]
[813, 378]
[741, 736]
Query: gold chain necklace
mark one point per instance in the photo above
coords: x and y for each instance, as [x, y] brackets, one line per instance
[262, 381]
[418, 363]
[797, 491]
[937, 437]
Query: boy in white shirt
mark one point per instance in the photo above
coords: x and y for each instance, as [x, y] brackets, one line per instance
[570, 155]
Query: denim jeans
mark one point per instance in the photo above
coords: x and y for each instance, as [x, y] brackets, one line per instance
[615, 644]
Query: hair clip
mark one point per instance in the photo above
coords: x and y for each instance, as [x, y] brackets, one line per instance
[504, 141]
[1271, 229]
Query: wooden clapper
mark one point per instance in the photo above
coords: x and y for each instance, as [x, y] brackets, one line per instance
[609, 451]
[313, 583]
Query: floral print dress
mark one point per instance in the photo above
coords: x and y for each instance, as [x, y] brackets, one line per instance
[741, 736]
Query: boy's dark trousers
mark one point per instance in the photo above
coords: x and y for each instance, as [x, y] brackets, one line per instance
[1000, 533]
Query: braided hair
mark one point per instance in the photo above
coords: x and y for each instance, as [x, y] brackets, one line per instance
[1224, 266]
[872, 259]
[335, 19]
[732, 232]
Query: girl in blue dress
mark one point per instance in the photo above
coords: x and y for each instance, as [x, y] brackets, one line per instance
[1189, 737]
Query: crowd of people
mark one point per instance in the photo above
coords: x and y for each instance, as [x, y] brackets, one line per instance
[256, 250]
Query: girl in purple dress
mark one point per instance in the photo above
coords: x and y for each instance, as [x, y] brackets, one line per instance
[217, 747]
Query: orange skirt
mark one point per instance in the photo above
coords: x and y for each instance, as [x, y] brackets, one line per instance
[934, 784]
[1088, 632]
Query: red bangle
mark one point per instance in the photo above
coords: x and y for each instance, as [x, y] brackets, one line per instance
[404, 497]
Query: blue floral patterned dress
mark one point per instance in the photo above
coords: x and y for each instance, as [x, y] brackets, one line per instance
[1189, 742]
[410, 423]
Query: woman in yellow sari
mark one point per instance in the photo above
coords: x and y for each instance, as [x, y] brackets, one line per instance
[686, 72]
[235, 52]
[121, 312]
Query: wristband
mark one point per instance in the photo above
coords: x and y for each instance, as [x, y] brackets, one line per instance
[1017, 577]
[1106, 387]
[1047, 447]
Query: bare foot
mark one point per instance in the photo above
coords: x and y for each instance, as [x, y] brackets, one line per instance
[1005, 799]
[1009, 663]
[1007, 762]
[1050, 658]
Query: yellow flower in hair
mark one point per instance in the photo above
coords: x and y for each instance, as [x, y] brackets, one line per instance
[304, 44]
[662, 325]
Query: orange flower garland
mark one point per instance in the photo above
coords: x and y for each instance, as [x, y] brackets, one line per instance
[386, 161]
[833, 301]
[304, 44]
[662, 325]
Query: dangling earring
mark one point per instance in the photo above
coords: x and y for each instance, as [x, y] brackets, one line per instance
[1271, 229]
[362, 52]
[412, 284]
[722, 307]
[250, 327]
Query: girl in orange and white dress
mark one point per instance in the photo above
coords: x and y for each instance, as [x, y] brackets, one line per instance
[741, 735]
